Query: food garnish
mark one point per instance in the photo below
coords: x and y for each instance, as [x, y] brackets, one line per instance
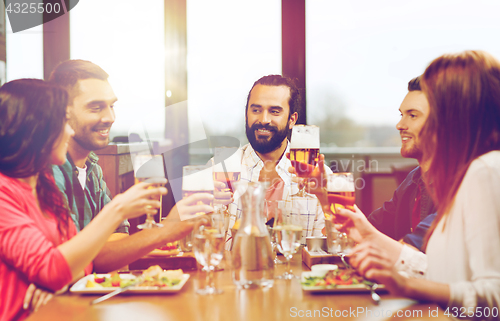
[335, 278]
[153, 276]
[169, 246]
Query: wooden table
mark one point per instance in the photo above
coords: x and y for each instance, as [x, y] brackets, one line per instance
[284, 301]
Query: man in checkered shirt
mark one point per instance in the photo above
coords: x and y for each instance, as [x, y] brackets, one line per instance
[271, 112]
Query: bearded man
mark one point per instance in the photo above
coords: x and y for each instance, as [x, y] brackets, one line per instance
[271, 112]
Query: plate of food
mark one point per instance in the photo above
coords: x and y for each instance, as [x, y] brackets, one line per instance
[171, 249]
[339, 280]
[153, 280]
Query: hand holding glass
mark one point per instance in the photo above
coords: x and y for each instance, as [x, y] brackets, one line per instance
[151, 171]
[197, 179]
[304, 151]
[341, 194]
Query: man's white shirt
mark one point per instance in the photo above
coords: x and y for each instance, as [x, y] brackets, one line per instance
[313, 219]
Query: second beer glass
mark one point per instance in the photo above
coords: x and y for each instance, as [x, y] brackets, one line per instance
[304, 151]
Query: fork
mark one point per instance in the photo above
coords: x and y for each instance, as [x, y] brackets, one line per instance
[375, 296]
[118, 291]
[347, 265]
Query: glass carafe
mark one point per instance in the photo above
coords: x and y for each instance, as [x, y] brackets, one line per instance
[252, 254]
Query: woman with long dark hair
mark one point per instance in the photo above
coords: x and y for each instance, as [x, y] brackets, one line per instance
[461, 140]
[37, 236]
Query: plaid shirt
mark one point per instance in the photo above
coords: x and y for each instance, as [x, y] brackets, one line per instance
[84, 204]
[312, 216]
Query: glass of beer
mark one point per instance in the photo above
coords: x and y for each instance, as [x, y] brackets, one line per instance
[149, 168]
[341, 194]
[340, 189]
[304, 151]
[227, 167]
[197, 179]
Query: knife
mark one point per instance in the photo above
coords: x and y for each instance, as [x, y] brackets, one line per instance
[117, 291]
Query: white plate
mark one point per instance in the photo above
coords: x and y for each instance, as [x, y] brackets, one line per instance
[338, 289]
[80, 286]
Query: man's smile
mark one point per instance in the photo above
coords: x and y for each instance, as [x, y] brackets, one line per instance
[103, 132]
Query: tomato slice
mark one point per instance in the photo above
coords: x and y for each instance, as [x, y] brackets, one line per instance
[99, 279]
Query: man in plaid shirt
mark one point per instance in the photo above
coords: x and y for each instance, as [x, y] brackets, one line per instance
[91, 115]
[271, 112]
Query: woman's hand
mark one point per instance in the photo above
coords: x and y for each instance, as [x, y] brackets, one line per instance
[315, 183]
[373, 263]
[35, 298]
[377, 247]
[187, 207]
[142, 198]
[221, 197]
[354, 224]
[181, 219]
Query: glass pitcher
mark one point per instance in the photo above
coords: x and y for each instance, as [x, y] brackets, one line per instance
[252, 254]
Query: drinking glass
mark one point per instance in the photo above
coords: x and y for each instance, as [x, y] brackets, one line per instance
[307, 209]
[341, 194]
[208, 246]
[197, 179]
[272, 210]
[150, 168]
[304, 151]
[339, 243]
[288, 232]
[227, 166]
[226, 169]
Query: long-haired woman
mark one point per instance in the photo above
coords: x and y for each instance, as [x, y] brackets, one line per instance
[37, 236]
[461, 140]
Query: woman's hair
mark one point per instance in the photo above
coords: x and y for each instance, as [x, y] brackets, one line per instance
[463, 90]
[32, 117]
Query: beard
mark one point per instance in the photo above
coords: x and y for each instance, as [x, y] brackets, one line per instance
[86, 138]
[412, 152]
[90, 145]
[270, 144]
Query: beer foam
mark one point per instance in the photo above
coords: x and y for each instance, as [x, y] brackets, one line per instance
[195, 178]
[230, 157]
[340, 184]
[304, 137]
[147, 166]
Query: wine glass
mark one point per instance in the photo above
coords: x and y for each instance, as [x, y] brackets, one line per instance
[226, 169]
[304, 152]
[339, 243]
[208, 246]
[344, 246]
[272, 211]
[150, 169]
[288, 232]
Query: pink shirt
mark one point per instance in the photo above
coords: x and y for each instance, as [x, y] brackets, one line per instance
[28, 248]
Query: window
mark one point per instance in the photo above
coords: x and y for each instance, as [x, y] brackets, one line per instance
[127, 41]
[24, 53]
[361, 55]
[231, 44]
